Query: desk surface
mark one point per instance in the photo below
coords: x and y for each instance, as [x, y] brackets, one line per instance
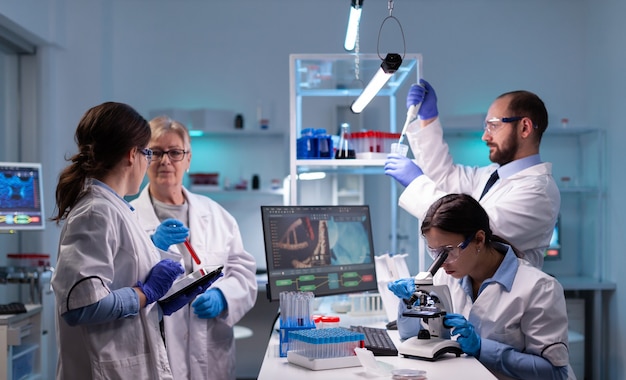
[450, 367]
[32, 309]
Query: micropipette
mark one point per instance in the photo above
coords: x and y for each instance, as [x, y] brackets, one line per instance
[411, 114]
[191, 251]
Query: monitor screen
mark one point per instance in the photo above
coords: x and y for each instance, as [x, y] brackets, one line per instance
[326, 250]
[553, 252]
[21, 197]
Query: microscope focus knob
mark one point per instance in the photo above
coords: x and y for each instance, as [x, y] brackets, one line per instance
[423, 334]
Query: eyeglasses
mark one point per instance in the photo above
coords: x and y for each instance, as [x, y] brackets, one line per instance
[173, 154]
[453, 252]
[148, 153]
[493, 125]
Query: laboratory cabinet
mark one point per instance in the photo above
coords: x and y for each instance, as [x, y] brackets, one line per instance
[20, 345]
[322, 88]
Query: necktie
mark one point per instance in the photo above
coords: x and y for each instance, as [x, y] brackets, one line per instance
[494, 177]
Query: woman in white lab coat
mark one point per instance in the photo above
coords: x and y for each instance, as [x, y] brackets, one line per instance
[508, 314]
[199, 337]
[108, 274]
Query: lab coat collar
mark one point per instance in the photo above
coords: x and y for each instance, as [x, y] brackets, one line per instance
[505, 274]
[96, 182]
[517, 166]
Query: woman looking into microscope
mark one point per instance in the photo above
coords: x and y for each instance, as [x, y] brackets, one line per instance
[510, 315]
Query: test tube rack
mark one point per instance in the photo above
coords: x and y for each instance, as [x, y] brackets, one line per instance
[325, 348]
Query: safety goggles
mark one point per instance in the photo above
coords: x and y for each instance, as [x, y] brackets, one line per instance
[493, 125]
[453, 251]
[147, 152]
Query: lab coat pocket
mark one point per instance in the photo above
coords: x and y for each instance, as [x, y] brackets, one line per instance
[134, 367]
[220, 332]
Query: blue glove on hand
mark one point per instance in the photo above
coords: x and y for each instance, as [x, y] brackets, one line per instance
[468, 338]
[160, 279]
[402, 288]
[174, 305]
[170, 307]
[402, 169]
[423, 93]
[170, 231]
[210, 304]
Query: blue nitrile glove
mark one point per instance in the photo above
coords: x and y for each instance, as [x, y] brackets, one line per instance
[403, 169]
[468, 338]
[170, 231]
[210, 304]
[423, 93]
[160, 279]
[402, 288]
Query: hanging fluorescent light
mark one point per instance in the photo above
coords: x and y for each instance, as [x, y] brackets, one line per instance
[353, 24]
[390, 65]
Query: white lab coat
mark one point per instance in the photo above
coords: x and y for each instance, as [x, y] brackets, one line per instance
[205, 348]
[522, 208]
[532, 317]
[103, 248]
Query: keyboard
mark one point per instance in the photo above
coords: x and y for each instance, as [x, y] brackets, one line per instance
[12, 308]
[377, 340]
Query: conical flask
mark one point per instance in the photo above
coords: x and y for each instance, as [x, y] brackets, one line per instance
[345, 148]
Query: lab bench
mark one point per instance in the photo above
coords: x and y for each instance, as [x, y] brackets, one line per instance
[448, 367]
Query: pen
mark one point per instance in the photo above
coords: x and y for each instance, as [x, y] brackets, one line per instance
[193, 253]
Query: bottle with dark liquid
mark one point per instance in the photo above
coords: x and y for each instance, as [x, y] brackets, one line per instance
[345, 148]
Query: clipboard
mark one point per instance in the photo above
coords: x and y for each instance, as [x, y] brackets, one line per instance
[197, 278]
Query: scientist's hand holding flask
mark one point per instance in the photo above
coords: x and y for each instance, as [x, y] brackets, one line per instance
[170, 231]
[210, 304]
[160, 279]
[402, 288]
[468, 338]
[402, 169]
[423, 93]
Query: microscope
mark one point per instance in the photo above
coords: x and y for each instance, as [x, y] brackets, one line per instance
[430, 303]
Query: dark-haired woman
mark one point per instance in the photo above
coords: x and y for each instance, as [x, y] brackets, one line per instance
[109, 274]
[508, 314]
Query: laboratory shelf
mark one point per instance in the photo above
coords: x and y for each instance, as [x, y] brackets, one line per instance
[339, 163]
[239, 133]
[581, 189]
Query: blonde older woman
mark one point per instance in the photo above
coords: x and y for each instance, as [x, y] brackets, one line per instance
[199, 338]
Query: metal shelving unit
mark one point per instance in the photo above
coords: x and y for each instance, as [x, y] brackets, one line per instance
[327, 81]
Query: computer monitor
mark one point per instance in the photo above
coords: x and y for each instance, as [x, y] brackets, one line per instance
[21, 196]
[553, 252]
[326, 250]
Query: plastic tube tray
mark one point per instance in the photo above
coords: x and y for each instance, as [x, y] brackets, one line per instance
[321, 364]
[284, 337]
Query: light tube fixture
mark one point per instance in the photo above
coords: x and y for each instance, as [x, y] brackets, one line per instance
[390, 65]
[353, 24]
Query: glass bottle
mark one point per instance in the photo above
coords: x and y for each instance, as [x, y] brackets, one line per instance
[345, 148]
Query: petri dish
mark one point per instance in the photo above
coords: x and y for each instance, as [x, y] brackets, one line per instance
[408, 374]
